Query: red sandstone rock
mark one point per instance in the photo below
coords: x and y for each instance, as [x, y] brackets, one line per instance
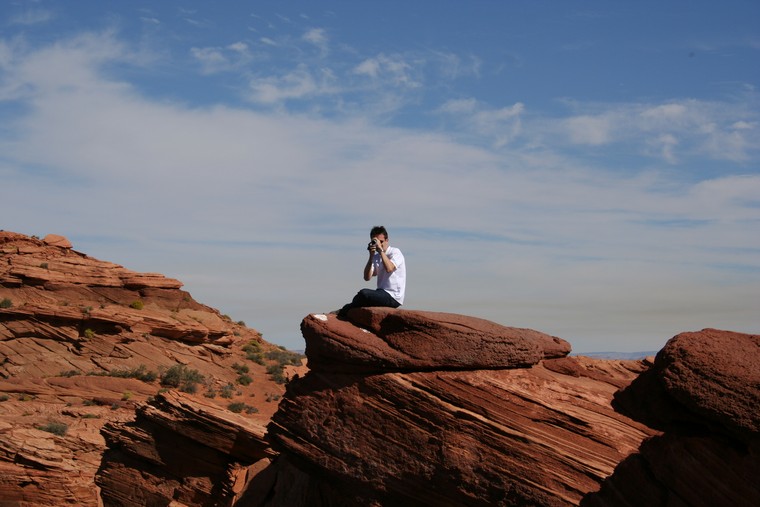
[703, 392]
[188, 451]
[383, 339]
[70, 327]
[527, 436]
[56, 240]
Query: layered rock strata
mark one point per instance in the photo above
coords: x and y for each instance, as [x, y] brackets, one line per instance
[180, 449]
[421, 408]
[82, 345]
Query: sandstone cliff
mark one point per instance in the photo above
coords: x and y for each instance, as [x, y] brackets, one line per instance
[398, 410]
[86, 352]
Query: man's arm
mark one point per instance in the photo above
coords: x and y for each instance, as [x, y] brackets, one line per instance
[387, 262]
[368, 268]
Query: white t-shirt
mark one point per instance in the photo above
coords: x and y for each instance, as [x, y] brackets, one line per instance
[392, 283]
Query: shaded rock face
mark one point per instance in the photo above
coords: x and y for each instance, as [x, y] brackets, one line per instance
[704, 394]
[181, 449]
[79, 341]
[497, 425]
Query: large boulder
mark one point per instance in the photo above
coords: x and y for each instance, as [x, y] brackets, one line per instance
[703, 393]
[386, 339]
[421, 408]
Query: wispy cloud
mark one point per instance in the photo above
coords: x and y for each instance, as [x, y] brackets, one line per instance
[32, 17]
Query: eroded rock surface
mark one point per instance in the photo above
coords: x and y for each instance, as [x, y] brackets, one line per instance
[181, 449]
[82, 344]
[703, 393]
[385, 339]
[495, 425]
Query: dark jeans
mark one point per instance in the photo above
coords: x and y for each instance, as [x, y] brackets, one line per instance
[369, 297]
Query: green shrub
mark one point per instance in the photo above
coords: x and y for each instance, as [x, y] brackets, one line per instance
[89, 333]
[180, 376]
[236, 407]
[244, 380]
[139, 373]
[227, 391]
[6, 303]
[55, 427]
[253, 352]
[44, 265]
[240, 368]
[4, 397]
[137, 305]
[277, 374]
[284, 357]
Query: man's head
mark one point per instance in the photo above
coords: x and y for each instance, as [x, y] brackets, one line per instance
[381, 234]
[378, 230]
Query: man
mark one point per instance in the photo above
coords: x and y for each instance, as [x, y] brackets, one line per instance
[387, 264]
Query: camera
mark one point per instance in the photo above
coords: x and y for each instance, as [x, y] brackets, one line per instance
[374, 243]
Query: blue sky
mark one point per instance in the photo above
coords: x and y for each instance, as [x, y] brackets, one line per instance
[585, 169]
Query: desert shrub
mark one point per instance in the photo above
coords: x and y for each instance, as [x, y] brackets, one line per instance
[6, 303]
[55, 427]
[244, 380]
[89, 333]
[275, 371]
[70, 373]
[240, 368]
[4, 397]
[253, 352]
[181, 377]
[44, 265]
[139, 373]
[284, 357]
[227, 391]
[236, 407]
[137, 305]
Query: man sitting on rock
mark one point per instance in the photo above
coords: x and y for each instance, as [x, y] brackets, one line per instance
[387, 264]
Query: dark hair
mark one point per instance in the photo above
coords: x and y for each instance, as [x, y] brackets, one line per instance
[377, 230]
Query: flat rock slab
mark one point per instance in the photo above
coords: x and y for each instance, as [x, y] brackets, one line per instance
[386, 339]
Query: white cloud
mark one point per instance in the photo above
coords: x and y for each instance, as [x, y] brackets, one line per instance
[222, 59]
[32, 17]
[297, 84]
[501, 125]
[394, 70]
[317, 37]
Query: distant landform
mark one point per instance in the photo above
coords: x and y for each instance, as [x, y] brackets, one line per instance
[632, 356]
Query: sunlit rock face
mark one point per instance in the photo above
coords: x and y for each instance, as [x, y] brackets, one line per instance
[421, 408]
[83, 418]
